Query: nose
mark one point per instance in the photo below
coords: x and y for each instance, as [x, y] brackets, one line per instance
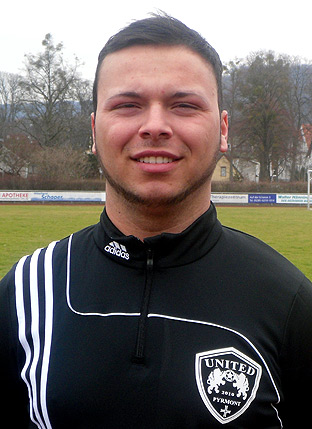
[155, 124]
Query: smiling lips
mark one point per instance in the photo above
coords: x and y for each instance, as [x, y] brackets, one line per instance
[155, 160]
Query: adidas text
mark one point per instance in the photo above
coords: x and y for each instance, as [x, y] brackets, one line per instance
[117, 249]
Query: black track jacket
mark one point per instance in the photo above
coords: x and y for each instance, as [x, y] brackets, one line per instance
[209, 328]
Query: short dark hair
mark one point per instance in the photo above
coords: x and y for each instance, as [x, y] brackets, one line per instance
[163, 30]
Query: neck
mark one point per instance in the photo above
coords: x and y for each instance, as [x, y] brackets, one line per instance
[142, 222]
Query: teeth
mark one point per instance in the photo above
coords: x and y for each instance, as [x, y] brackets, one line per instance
[155, 160]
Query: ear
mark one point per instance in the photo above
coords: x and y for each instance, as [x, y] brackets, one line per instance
[224, 131]
[93, 133]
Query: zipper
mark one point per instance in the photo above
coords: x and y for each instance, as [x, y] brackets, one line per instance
[138, 356]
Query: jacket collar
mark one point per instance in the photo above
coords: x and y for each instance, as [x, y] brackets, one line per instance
[168, 249]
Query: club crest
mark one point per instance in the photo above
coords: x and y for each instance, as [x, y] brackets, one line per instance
[227, 381]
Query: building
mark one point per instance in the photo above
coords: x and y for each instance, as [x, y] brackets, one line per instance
[249, 169]
[306, 133]
[225, 170]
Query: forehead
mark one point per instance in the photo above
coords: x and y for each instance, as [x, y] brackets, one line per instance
[176, 65]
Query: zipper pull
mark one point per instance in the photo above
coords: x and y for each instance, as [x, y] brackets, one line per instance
[149, 259]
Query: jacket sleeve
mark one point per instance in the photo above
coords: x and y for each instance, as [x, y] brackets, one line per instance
[14, 402]
[296, 361]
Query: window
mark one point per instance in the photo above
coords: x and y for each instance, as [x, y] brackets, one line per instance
[223, 171]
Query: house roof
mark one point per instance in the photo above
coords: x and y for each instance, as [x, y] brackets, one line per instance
[306, 130]
[226, 156]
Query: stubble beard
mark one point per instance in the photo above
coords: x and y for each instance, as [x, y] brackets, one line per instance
[153, 202]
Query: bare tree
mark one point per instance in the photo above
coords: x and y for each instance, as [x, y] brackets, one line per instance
[16, 154]
[80, 132]
[62, 163]
[10, 102]
[231, 102]
[47, 105]
[299, 105]
[264, 120]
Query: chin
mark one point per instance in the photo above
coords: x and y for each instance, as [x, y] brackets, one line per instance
[156, 196]
[155, 200]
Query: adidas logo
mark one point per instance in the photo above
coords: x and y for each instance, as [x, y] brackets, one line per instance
[117, 249]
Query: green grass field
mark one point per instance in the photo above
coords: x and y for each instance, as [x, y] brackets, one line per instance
[27, 227]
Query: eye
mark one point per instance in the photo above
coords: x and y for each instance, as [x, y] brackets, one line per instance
[185, 107]
[126, 109]
[125, 106]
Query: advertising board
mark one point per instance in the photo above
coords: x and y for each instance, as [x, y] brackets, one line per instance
[14, 196]
[262, 198]
[59, 196]
[100, 197]
[229, 198]
[291, 199]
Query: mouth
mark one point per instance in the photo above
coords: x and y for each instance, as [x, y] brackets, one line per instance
[155, 160]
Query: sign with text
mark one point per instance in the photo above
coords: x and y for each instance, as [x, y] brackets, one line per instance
[262, 198]
[14, 196]
[59, 196]
[229, 198]
[99, 196]
[292, 199]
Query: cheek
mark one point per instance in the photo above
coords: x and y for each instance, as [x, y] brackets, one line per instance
[115, 138]
[201, 142]
[201, 129]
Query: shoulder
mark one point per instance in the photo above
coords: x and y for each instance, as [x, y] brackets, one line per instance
[51, 256]
[241, 238]
[259, 260]
[250, 247]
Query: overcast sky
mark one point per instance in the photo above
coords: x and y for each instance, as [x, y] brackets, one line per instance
[234, 27]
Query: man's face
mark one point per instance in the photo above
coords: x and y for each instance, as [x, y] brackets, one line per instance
[157, 129]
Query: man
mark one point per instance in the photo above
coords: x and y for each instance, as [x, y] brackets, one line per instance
[156, 317]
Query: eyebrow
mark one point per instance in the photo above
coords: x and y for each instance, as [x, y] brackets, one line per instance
[182, 94]
[134, 94]
[128, 94]
[185, 94]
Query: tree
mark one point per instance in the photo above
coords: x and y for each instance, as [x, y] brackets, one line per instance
[299, 105]
[264, 120]
[268, 97]
[62, 163]
[231, 100]
[80, 130]
[47, 105]
[16, 154]
[10, 102]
